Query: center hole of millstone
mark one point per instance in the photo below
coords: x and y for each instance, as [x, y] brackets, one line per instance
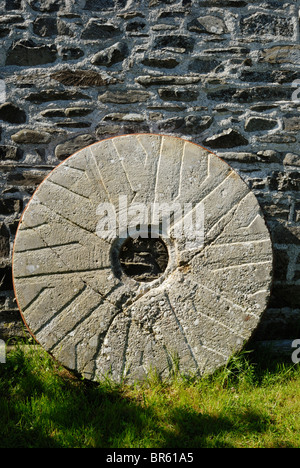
[143, 259]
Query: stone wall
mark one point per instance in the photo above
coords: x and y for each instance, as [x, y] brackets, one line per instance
[222, 73]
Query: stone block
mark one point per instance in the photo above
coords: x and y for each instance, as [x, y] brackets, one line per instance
[262, 24]
[96, 30]
[113, 54]
[124, 97]
[178, 94]
[11, 113]
[29, 137]
[63, 150]
[227, 139]
[259, 124]
[28, 53]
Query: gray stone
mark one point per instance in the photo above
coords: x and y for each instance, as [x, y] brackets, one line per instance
[99, 304]
[281, 54]
[11, 113]
[227, 139]
[175, 42]
[28, 137]
[258, 124]
[4, 241]
[122, 117]
[124, 97]
[63, 29]
[194, 124]
[10, 152]
[292, 160]
[178, 94]
[47, 6]
[45, 26]
[100, 5]
[66, 149]
[77, 111]
[208, 25]
[260, 24]
[4, 32]
[53, 113]
[10, 206]
[135, 26]
[11, 19]
[255, 93]
[11, 5]
[113, 54]
[152, 80]
[202, 65]
[96, 30]
[27, 53]
[291, 123]
[49, 95]
[160, 62]
[71, 53]
[278, 138]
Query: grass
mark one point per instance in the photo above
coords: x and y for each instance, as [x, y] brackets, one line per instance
[246, 404]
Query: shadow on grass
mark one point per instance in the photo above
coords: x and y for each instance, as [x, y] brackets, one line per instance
[42, 406]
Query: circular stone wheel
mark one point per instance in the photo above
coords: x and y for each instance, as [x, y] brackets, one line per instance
[110, 290]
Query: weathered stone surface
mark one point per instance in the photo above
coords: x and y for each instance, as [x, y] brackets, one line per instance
[160, 62]
[135, 26]
[258, 124]
[277, 76]
[9, 206]
[28, 53]
[148, 80]
[281, 54]
[4, 32]
[11, 19]
[192, 124]
[47, 6]
[264, 24]
[98, 304]
[201, 65]
[227, 139]
[66, 149]
[99, 5]
[208, 25]
[71, 53]
[124, 97]
[47, 95]
[11, 113]
[178, 94]
[27, 136]
[113, 54]
[178, 42]
[81, 78]
[96, 30]
[256, 93]
[292, 160]
[77, 111]
[8, 152]
[4, 241]
[45, 26]
[292, 123]
[11, 5]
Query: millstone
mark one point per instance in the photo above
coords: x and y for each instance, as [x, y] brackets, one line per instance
[111, 283]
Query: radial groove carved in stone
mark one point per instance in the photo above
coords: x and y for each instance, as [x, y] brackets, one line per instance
[140, 297]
